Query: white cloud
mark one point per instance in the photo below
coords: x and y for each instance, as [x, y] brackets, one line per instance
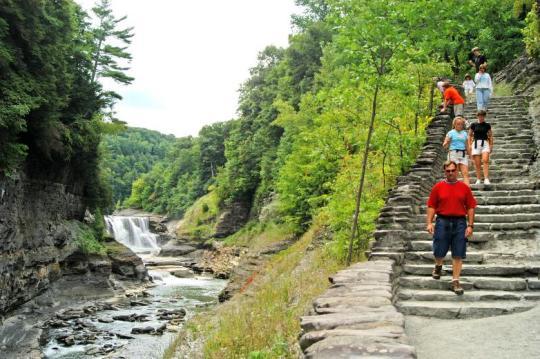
[190, 57]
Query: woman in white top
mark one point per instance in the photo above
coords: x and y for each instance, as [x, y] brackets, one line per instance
[484, 88]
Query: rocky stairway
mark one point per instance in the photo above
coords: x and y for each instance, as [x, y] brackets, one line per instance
[501, 272]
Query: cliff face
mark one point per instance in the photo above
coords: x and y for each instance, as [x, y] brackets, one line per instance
[35, 236]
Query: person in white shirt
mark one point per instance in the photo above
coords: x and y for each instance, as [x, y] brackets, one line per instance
[484, 88]
[468, 86]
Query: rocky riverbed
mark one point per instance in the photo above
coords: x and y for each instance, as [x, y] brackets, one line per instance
[139, 325]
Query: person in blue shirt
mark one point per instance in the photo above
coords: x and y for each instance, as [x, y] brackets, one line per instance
[458, 147]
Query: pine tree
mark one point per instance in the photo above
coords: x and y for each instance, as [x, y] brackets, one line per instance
[108, 58]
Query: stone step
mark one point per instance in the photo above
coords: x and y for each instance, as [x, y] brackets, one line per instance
[471, 283]
[468, 296]
[480, 192]
[495, 162]
[459, 310]
[427, 256]
[516, 226]
[504, 201]
[506, 154]
[486, 219]
[496, 200]
[486, 227]
[477, 269]
[525, 135]
[481, 209]
[503, 173]
[477, 237]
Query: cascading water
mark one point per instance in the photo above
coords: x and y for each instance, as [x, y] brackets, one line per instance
[133, 232]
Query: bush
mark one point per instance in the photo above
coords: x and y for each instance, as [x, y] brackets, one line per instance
[87, 241]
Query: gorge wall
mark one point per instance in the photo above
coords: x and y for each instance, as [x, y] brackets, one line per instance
[37, 227]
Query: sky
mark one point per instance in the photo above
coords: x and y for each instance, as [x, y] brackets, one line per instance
[191, 56]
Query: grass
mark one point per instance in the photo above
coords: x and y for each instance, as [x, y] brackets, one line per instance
[200, 219]
[503, 89]
[257, 236]
[264, 321]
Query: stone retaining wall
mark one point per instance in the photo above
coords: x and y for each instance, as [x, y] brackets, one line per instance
[356, 316]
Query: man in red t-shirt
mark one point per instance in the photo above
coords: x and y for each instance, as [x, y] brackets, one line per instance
[454, 204]
[452, 97]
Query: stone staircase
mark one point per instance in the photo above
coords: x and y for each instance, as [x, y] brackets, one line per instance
[501, 272]
[357, 316]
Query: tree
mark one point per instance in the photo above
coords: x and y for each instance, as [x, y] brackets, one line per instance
[109, 51]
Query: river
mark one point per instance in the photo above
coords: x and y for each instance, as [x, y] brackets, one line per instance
[109, 331]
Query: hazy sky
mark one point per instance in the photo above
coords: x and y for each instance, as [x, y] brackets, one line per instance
[190, 57]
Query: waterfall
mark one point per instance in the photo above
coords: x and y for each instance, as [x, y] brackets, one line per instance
[132, 232]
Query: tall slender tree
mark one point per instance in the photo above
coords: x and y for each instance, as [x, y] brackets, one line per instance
[110, 56]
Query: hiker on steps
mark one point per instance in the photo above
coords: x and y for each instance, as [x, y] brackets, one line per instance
[458, 147]
[452, 97]
[484, 88]
[481, 145]
[454, 204]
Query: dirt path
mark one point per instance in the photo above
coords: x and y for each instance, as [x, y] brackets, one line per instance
[506, 336]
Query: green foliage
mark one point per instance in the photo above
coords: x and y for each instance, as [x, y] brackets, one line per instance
[129, 154]
[531, 32]
[87, 242]
[198, 223]
[51, 107]
[522, 7]
[109, 53]
[46, 96]
[184, 174]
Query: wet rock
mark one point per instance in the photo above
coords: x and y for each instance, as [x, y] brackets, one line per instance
[71, 314]
[142, 330]
[131, 317]
[135, 303]
[105, 320]
[93, 351]
[164, 314]
[125, 263]
[176, 250]
[123, 336]
[56, 323]
[161, 328]
[66, 340]
[222, 275]
[90, 309]
[85, 324]
[183, 273]
[85, 339]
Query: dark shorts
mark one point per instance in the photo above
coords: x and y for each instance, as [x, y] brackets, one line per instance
[450, 234]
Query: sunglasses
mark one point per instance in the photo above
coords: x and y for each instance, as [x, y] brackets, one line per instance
[449, 171]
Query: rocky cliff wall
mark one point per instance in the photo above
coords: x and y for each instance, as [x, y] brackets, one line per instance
[36, 235]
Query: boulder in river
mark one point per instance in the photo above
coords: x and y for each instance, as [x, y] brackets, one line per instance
[183, 273]
[142, 330]
[172, 249]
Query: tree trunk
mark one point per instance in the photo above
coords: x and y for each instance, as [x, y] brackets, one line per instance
[363, 172]
[96, 62]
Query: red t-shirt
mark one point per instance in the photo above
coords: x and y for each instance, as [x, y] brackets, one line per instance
[451, 199]
[453, 95]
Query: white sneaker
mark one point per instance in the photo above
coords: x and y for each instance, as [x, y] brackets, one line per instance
[478, 182]
[486, 181]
